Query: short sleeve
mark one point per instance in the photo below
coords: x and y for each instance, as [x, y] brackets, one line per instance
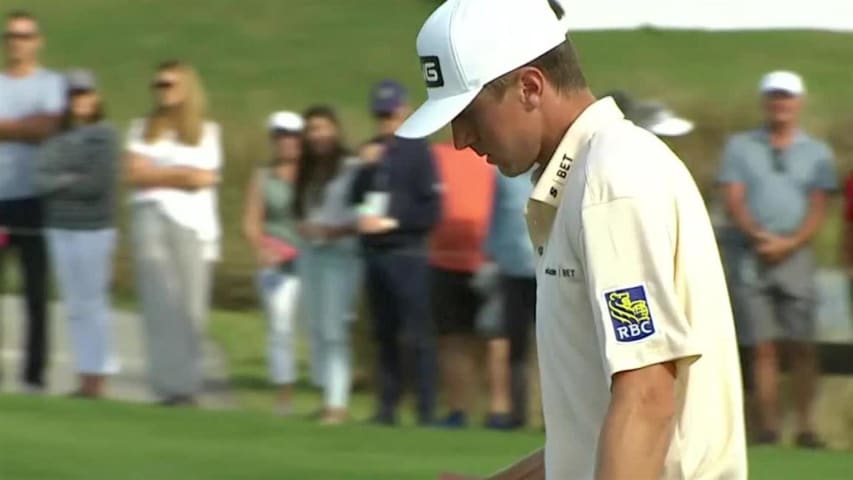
[731, 167]
[629, 257]
[825, 178]
[210, 149]
[54, 96]
[134, 139]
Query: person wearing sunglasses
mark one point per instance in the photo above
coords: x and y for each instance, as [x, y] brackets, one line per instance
[76, 175]
[174, 156]
[31, 103]
[269, 225]
[776, 182]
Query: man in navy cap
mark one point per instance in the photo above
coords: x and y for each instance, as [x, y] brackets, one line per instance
[398, 205]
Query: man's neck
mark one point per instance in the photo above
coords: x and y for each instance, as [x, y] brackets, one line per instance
[20, 69]
[386, 128]
[782, 134]
[559, 118]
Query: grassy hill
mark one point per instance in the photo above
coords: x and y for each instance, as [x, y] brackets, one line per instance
[261, 55]
[70, 440]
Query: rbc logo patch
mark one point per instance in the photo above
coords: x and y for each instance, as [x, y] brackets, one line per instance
[629, 312]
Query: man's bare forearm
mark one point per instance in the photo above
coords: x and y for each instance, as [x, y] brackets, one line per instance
[738, 211]
[814, 219]
[183, 178]
[634, 441]
[531, 467]
[34, 129]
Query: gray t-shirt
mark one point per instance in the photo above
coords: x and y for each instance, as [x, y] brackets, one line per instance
[778, 184]
[40, 93]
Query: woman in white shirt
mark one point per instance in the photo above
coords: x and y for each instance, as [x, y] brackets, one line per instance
[329, 264]
[174, 158]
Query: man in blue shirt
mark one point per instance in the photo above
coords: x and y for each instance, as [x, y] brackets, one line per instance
[398, 203]
[509, 247]
[31, 102]
[776, 182]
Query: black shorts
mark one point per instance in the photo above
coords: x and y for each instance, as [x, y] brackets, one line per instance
[519, 306]
[455, 302]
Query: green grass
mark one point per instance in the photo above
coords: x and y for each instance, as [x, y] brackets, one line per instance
[60, 439]
[260, 55]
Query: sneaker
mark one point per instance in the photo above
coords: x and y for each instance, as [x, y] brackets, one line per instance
[810, 440]
[334, 417]
[454, 420]
[500, 421]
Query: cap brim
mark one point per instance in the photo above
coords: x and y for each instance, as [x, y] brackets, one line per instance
[671, 127]
[434, 114]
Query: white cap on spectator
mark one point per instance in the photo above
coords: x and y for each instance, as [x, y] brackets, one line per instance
[466, 44]
[782, 81]
[286, 121]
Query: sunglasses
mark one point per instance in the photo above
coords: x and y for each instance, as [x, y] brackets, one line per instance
[79, 91]
[162, 85]
[778, 161]
[20, 35]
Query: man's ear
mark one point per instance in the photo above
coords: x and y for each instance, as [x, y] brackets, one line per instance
[532, 84]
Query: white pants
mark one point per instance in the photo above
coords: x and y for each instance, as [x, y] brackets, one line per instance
[82, 260]
[279, 294]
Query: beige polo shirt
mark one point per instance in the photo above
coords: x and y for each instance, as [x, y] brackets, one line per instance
[629, 276]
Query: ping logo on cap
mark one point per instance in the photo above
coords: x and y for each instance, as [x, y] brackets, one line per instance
[629, 313]
[432, 71]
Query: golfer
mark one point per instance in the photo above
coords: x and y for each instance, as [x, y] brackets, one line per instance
[639, 365]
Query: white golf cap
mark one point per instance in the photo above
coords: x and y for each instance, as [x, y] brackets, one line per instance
[286, 121]
[466, 44]
[782, 81]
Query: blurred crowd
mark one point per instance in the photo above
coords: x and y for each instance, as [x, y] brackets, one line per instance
[435, 238]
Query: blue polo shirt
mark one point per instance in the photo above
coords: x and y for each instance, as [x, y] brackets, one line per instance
[778, 183]
[508, 243]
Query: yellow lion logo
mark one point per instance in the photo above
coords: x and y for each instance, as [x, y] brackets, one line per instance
[623, 309]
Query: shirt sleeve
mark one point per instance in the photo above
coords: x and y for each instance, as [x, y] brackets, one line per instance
[210, 149]
[498, 198]
[421, 208]
[134, 140]
[54, 96]
[731, 167]
[629, 256]
[826, 178]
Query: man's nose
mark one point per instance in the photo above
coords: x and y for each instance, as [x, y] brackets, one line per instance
[462, 137]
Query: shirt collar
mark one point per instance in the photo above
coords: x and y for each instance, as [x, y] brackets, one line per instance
[551, 178]
[799, 136]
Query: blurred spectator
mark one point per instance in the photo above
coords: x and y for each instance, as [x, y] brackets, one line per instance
[330, 262]
[847, 230]
[398, 206]
[76, 174]
[455, 255]
[509, 246]
[653, 116]
[269, 225]
[31, 103]
[776, 180]
[174, 159]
